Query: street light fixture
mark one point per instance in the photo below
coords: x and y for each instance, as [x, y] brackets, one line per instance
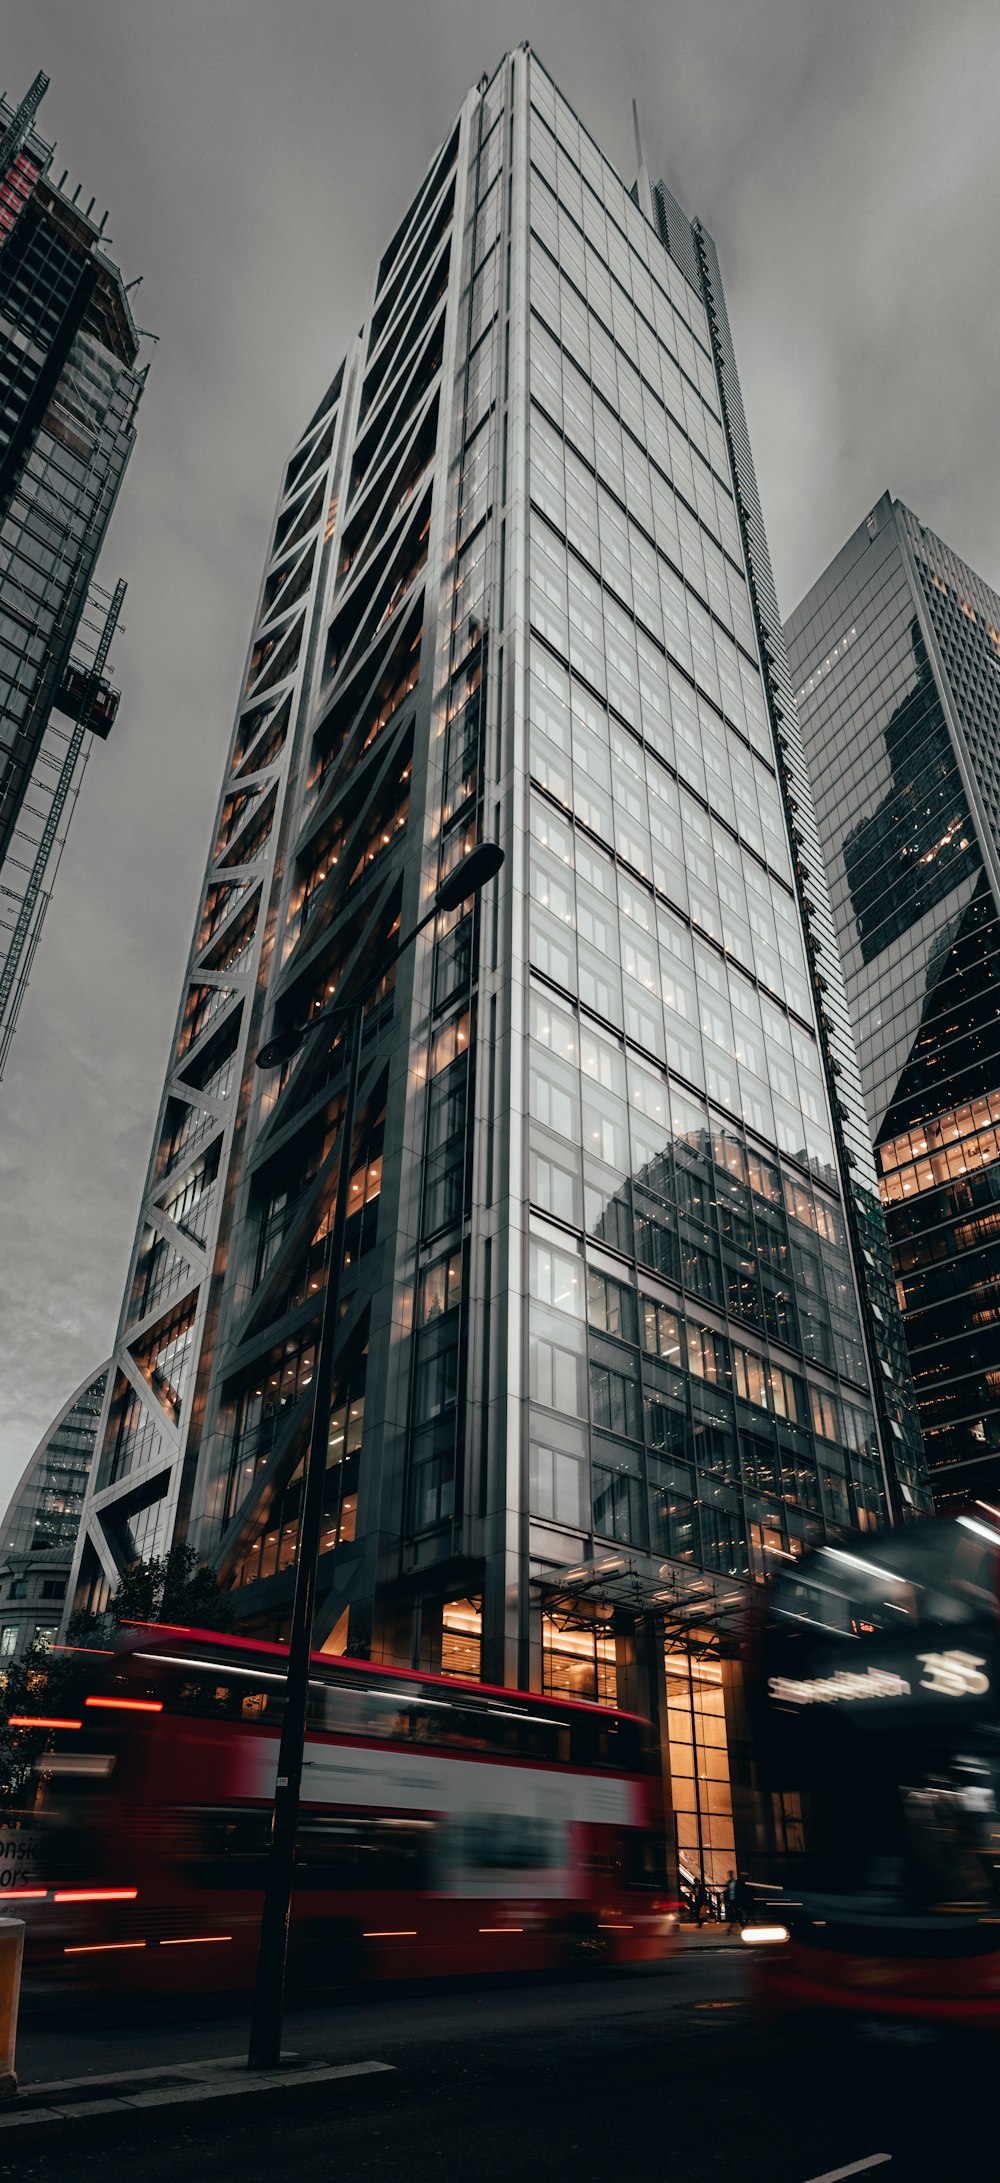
[471, 874]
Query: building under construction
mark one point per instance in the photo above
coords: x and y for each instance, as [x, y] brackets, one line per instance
[69, 389]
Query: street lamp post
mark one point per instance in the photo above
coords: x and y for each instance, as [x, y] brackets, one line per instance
[470, 876]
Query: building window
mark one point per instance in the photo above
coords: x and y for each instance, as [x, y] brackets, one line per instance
[699, 1769]
[557, 1481]
[8, 1640]
[462, 1637]
[440, 1286]
[578, 1663]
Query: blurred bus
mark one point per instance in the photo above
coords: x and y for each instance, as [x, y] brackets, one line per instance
[879, 1754]
[446, 1828]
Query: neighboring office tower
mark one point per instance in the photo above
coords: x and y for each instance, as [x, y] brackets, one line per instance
[38, 1532]
[68, 394]
[897, 651]
[601, 1299]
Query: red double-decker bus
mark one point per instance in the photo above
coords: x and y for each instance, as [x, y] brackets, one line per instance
[446, 1828]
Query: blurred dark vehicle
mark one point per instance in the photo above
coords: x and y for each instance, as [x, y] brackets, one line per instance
[878, 1730]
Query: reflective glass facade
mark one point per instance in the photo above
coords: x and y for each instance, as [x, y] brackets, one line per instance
[68, 396]
[39, 1531]
[603, 1308]
[896, 654]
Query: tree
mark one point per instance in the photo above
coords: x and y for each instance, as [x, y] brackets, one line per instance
[173, 1587]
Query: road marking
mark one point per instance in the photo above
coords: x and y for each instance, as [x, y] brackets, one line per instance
[856, 2167]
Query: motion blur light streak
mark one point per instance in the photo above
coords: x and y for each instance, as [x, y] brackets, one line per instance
[867, 1568]
[982, 1531]
[127, 1705]
[196, 1940]
[854, 2167]
[218, 1667]
[766, 1935]
[104, 1948]
[95, 1894]
[38, 1720]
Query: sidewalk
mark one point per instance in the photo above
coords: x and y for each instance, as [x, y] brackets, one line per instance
[187, 2091]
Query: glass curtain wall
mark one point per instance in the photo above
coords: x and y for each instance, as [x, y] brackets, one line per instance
[695, 1366]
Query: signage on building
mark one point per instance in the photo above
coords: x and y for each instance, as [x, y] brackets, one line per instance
[946, 1674]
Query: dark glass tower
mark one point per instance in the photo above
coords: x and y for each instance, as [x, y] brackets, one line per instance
[68, 396]
[38, 1532]
[896, 654]
[607, 1347]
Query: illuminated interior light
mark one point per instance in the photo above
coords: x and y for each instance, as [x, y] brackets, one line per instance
[95, 1894]
[127, 1705]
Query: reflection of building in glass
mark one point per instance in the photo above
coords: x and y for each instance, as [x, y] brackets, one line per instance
[68, 395]
[914, 849]
[902, 731]
[39, 1531]
[603, 1313]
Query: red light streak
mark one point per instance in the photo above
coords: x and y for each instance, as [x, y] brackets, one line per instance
[128, 1705]
[27, 1895]
[102, 1947]
[402, 1932]
[196, 1940]
[40, 1720]
[177, 1629]
[95, 1894]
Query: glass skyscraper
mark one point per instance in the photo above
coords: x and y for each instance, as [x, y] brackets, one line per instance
[896, 654]
[606, 1345]
[38, 1532]
[69, 389]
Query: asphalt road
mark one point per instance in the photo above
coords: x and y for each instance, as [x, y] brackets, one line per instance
[631, 2077]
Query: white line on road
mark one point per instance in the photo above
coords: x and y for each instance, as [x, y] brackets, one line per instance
[856, 2167]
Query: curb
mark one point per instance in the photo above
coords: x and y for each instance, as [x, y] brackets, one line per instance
[185, 2091]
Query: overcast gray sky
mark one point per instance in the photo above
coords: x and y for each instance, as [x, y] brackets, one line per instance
[256, 155]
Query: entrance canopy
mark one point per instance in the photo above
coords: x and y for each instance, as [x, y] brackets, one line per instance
[684, 1600]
